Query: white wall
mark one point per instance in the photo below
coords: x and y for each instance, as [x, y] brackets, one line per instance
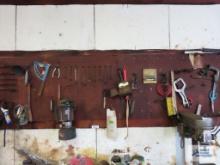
[85, 27]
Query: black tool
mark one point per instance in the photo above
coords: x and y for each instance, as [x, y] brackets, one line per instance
[66, 110]
[134, 83]
[18, 70]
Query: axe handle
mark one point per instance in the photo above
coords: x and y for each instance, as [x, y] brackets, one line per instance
[41, 88]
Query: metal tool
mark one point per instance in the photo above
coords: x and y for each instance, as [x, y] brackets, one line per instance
[124, 87]
[127, 114]
[193, 126]
[209, 135]
[28, 85]
[5, 111]
[66, 116]
[134, 84]
[33, 158]
[173, 92]
[41, 71]
[104, 98]
[213, 92]
[181, 91]
[21, 114]
[199, 109]
[56, 72]
[125, 79]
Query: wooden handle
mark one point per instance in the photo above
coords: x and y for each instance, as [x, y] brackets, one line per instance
[41, 88]
[29, 103]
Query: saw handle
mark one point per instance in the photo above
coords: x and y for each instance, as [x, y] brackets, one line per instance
[40, 92]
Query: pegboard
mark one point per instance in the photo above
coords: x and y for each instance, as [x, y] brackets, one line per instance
[84, 76]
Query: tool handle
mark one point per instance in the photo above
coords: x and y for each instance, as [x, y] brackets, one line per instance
[41, 88]
[124, 73]
[59, 92]
[127, 115]
[29, 103]
[120, 73]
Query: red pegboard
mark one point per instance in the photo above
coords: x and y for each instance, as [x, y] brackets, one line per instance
[85, 74]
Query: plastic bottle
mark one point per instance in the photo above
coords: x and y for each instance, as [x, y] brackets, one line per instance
[111, 124]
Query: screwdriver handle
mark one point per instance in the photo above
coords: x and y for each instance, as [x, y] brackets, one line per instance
[120, 73]
[124, 73]
[41, 88]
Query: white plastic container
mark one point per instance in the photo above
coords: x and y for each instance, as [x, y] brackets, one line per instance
[112, 131]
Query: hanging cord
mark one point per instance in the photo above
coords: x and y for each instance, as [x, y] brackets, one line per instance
[96, 145]
[4, 138]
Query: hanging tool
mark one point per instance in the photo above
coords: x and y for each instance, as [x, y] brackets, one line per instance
[199, 109]
[181, 91]
[66, 110]
[134, 84]
[27, 79]
[5, 111]
[41, 71]
[163, 88]
[193, 126]
[126, 99]
[174, 105]
[18, 70]
[21, 114]
[213, 92]
[104, 98]
[56, 74]
[124, 87]
[127, 114]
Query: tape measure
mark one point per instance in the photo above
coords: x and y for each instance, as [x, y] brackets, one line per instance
[170, 109]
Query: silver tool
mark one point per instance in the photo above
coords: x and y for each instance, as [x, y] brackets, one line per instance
[209, 135]
[198, 110]
[56, 72]
[213, 93]
[5, 111]
[181, 91]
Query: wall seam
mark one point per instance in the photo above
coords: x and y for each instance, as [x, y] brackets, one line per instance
[15, 27]
[15, 48]
[94, 28]
[169, 36]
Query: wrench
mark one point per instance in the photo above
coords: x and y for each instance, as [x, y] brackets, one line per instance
[181, 91]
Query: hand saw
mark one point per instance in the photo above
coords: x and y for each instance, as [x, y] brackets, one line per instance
[41, 70]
